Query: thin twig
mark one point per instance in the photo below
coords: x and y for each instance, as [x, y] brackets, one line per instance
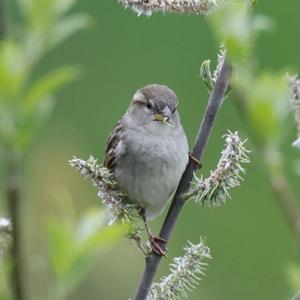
[13, 187]
[214, 104]
[282, 189]
[2, 19]
[287, 202]
[13, 175]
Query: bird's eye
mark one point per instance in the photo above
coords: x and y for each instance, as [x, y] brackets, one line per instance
[149, 106]
[174, 110]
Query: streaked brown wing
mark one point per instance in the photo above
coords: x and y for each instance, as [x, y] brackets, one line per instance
[111, 144]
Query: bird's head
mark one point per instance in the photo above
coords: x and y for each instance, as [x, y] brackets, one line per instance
[155, 107]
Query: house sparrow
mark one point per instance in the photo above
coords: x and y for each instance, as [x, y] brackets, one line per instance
[148, 152]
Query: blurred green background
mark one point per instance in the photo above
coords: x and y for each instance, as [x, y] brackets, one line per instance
[250, 241]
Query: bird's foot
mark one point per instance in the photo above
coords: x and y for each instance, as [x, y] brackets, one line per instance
[195, 160]
[155, 241]
[155, 245]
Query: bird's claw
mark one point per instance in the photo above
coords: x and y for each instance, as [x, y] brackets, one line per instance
[156, 248]
[195, 160]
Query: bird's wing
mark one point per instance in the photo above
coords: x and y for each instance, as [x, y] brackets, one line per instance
[111, 145]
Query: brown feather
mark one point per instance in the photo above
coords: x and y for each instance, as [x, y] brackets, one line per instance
[111, 144]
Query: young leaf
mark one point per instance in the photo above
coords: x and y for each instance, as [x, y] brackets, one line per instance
[67, 27]
[48, 85]
[30, 124]
[236, 29]
[74, 246]
[12, 70]
[266, 105]
[206, 76]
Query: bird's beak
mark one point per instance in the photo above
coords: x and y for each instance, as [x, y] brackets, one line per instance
[164, 119]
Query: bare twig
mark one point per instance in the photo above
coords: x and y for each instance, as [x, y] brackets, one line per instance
[2, 19]
[13, 174]
[13, 188]
[287, 202]
[274, 163]
[214, 104]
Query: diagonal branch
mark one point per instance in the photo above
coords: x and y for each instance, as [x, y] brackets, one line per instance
[214, 105]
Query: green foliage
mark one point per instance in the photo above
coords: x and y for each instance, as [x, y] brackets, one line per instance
[47, 23]
[205, 74]
[266, 105]
[74, 246]
[3, 281]
[38, 102]
[263, 97]
[293, 277]
[27, 102]
[234, 26]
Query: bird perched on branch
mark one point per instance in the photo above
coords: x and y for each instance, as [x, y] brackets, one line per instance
[148, 152]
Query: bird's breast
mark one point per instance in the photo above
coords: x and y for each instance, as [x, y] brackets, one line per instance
[149, 168]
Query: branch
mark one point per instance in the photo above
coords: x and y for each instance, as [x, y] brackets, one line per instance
[13, 191]
[13, 174]
[287, 202]
[2, 19]
[214, 105]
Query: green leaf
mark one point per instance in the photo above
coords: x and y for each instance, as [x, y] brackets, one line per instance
[4, 287]
[253, 3]
[67, 27]
[40, 14]
[8, 128]
[293, 275]
[30, 124]
[102, 239]
[92, 232]
[90, 223]
[62, 247]
[74, 246]
[63, 6]
[12, 70]
[237, 28]
[38, 103]
[48, 85]
[205, 74]
[266, 103]
[231, 24]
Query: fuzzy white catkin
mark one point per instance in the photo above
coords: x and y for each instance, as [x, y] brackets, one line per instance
[103, 179]
[5, 231]
[5, 224]
[295, 100]
[148, 7]
[214, 190]
[116, 202]
[185, 273]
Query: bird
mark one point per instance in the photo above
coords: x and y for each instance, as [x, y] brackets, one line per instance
[148, 151]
